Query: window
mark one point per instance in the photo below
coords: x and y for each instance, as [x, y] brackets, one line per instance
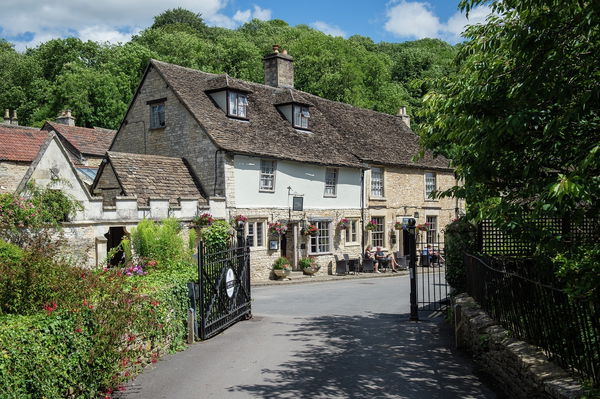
[330, 182]
[237, 104]
[255, 233]
[320, 242]
[267, 175]
[430, 184]
[301, 116]
[157, 116]
[377, 182]
[378, 234]
[352, 231]
[432, 237]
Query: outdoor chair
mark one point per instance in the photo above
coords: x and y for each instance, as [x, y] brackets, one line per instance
[424, 262]
[402, 261]
[368, 266]
[341, 265]
[352, 263]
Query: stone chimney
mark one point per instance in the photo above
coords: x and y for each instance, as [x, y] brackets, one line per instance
[14, 120]
[404, 116]
[279, 69]
[65, 118]
[6, 117]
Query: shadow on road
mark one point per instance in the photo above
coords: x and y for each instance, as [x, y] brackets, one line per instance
[374, 356]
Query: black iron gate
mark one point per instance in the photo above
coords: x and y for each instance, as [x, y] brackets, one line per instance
[429, 290]
[224, 282]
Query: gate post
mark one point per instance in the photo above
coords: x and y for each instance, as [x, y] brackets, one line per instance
[201, 283]
[412, 245]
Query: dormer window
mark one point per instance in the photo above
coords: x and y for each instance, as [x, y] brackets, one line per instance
[301, 116]
[236, 104]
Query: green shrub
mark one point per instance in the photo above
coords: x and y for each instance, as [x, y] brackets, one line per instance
[10, 253]
[579, 270]
[216, 237]
[160, 241]
[460, 236]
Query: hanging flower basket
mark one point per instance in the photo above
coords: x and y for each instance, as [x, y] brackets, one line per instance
[277, 229]
[372, 225]
[422, 227]
[201, 221]
[398, 225]
[343, 224]
[310, 230]
[239, 221]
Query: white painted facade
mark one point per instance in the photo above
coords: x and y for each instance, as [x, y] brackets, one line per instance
[304, 179]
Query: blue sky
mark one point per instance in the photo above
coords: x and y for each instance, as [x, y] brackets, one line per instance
[27, 23]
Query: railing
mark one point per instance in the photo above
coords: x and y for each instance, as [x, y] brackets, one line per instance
[567, 330]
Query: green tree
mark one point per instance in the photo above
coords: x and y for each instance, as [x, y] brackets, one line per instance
[180, 17]
[520, 120]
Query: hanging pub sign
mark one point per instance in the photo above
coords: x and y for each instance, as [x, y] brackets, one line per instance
[298, 204]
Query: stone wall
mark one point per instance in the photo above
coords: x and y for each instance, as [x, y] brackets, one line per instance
[182, 136]
[11, 174]
[521, 370]
[404, 194]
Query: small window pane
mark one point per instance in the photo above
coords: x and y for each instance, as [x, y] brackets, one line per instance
[267, 175]
[351, 233]
[157, 116]
[320, 243]
[250, 234]
[237, 104]
[301, 116]
[259, 234]
[430, 184]
[377, 182]
[330, 182]
[378, 234]
[431, 229]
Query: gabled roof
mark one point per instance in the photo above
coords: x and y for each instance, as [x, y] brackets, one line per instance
[88, 141]
[20, 143]
[153, 176]
[340, 134]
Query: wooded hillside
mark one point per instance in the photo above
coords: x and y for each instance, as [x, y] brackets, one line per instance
[96, 80]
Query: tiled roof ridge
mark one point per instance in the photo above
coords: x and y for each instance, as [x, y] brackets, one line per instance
[20, 127]
[148, 156]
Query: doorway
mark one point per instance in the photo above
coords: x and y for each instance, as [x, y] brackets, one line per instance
[113, 239]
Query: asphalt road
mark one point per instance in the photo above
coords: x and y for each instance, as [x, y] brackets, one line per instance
[338, 339]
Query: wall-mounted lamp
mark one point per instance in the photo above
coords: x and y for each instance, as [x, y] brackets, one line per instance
[416, 215]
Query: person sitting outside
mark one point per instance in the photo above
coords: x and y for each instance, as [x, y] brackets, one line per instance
[385, 260]
[370, 255]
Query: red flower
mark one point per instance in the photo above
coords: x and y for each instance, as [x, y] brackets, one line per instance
[78, 330]
[49, 308]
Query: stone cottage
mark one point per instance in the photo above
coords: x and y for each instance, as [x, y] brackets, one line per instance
[276, 154]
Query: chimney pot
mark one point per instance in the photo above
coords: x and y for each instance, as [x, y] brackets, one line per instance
[276, 48]
[6, 117]
[66, 118]
[404, 116]
[14, 120]
[284, 52]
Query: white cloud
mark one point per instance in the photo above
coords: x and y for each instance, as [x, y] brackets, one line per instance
[416, 20]
[244, 16]
[106, 20]
[331, 30]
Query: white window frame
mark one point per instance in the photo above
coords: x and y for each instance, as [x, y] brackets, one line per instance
[432, 228]
[378, 235]
[157, 116]
[267, 173]
[300, 117]
[237, 104]
[321, 243]
[352, 232]
[255, 230]
[377, 183]
[331, 182]
[430, 185]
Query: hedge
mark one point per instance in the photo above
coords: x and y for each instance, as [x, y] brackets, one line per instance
[68, 353]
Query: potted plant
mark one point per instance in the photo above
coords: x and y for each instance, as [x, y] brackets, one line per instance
[371, 225]
[281, 267]
[343, 224]
[398, 225]
[309, 266]
[239, 221]
[201, 221]
[277, 229]
[310, 230]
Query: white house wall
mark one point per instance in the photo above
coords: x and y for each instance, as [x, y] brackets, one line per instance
[305, 179]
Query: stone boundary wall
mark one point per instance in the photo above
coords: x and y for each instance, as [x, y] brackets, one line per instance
[520, 369]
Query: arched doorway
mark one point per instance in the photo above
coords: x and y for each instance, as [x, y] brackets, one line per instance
[113, 238]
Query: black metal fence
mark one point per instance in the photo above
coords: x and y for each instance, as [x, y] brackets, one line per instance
[432, 289]
[518, 294]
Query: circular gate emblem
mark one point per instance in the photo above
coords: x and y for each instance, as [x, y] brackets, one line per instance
[230, 283]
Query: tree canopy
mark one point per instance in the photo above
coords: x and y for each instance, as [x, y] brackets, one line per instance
[520, 119]
[96, 80]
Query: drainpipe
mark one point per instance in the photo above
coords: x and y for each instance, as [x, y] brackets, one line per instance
[216, 169]
[362, 211]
